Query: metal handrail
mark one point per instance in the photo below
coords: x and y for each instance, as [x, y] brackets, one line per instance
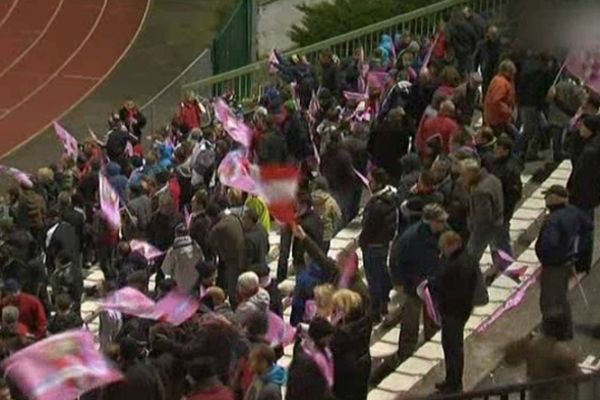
[422, 22]
[516, 388]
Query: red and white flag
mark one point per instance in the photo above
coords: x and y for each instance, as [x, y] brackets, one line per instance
[109, 202]
[70, 148]
[238, 130]
[20, 176]
[148, 251]
[61, 367]
[278, 187]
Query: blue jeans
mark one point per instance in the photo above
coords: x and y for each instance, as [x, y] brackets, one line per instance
[376, 270]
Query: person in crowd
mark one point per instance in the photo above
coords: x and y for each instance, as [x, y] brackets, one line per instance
[181, 260]
[389, 140]
[226, 240]
[31, 210]
[350, 346]
[453, 288]
[467, 99]
[583, 182]
[11, 327]
[204, 383]
[557, 248]
[477, 21]
[424, 192]
[189, 115]
[132, 117]
[462, 36]
[486, 221]
[67, 278]
[327, 209]
[66, 317]
[414, 257]
[487, 55]
[140, 206]
[31, 310]
[508, 168]
[380, 217]
[547, 356]
[256, 240]
[436, 133]
[312, 224]
[268, 376]
[500, 100]
[485, 144]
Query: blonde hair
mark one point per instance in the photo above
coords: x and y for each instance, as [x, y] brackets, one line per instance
[450, 238]
[346, 301]
[324, 295]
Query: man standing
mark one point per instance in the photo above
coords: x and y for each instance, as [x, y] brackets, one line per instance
[181, 260]
[558, 248]
[378, 228]
[453, 288]
[256, 240]
[414, 258]
[499, 102]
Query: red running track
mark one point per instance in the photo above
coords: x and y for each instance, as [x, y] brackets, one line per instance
[53, 53]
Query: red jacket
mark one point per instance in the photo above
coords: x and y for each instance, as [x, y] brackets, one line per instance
[175, 191]
[189, 114]
[499, 101]
[218, 392]
[31, 312]
[441, 126]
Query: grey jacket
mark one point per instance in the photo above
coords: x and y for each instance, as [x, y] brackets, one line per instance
[486, 204]
[180, 262]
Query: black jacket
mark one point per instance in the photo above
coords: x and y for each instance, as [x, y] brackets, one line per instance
[508, 170]
[257, 246]
[584, 182]
[461, 36]
[453, 285]
[271, 149]
[295, 132]
[135, 128]
[558, 240]
[313, 226]
[379, 218]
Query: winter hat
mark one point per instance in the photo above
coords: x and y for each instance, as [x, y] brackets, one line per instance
[11, 286]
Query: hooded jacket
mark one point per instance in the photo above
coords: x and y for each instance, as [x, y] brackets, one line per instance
[180, 262]
[380, 218]
[329, 211]
[268, 386]
[117, 180]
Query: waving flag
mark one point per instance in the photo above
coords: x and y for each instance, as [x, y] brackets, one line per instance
[70, 148]
[586, 66]
[273, 61]
[376, 79]
[176, 308]
[506, 263]
[109, 202]
[349, 270]
[234, 171]
[365, 181]
[63, 366]
[20, 176]
[238, 130]
[131, 302]
[279, 332]
[427, 58]
[148, 251]
[278, 187]
[356, 97]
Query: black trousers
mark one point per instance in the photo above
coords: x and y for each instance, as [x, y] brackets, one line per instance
[452, 343]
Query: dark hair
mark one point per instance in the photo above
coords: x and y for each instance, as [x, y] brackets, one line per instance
[321, 183]
[427, 177]
[213, 209]
[251, 214]
[205, 269]
[63, 301]
[202, 368]
[380, 176]
[264, 352]
[505, 142]
[256, 323]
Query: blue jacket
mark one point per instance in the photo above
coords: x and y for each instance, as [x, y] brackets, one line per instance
[118, 181]
[561, 235]
[306, 280]
[414, 256]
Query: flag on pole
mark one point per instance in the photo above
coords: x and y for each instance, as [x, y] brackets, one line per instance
[20, 176]
[63, 366]
[425, 295]
[427, 58]
[355, 96]
[296, 96]
[70, 148]
[279, 332]
[176, 307]
[365, 181]
[585, 64]
[349, 270]
[376, 79]
[130, 301]
[187, 217]
[238, 130]
[273, 61]
[109, 202]
[148, 251]
[234, 171]
[278, 186]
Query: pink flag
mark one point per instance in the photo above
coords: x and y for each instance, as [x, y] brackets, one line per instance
[109, 202]
[585, 65]
[20, 176]
[69, 142]
[63, 366]
[273, 61]
[279, 332]
[187, 216]
[234, 171]
[506, 263]
[145, 249]
[365, 181]
[130, 301]
[425, 295]
[513, 301]
[238, 130]
[128, 149]
[176, 307]
[313, 107]
[363, 70]
[295, 96]
[427, 58]
[356, 97]
[349, 270]
[278, 187]
[377, 79]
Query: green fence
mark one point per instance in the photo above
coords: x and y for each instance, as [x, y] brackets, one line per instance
[232, 48]
[246, 81]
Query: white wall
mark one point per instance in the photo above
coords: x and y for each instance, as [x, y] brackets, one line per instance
[274, 20]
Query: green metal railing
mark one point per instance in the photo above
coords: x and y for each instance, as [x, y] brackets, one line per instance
[246, 81]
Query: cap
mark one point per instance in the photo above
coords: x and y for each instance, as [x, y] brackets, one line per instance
[434, 213]
[556, 190]
[11, 286]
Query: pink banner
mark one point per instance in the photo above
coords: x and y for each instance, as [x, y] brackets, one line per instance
[349, 270]
[356, 97]
[234, 171]
[69, 142]
[109, 202]
[61, 367]
[237, 129]
[377, 79]
[145, 249]
[513, 301]
[279, 332]
[20, 176]
[427, 58]
[365, 181]
[585, 65]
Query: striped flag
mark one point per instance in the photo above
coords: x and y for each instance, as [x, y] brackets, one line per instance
[278, 187]
[70, 144]
[109, 202]
[63, 366]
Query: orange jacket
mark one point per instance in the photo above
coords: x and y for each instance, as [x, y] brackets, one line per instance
[499, 101]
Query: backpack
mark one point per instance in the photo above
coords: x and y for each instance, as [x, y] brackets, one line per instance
[203, 157]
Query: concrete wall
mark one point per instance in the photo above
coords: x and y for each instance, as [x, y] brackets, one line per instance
[274, 20]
